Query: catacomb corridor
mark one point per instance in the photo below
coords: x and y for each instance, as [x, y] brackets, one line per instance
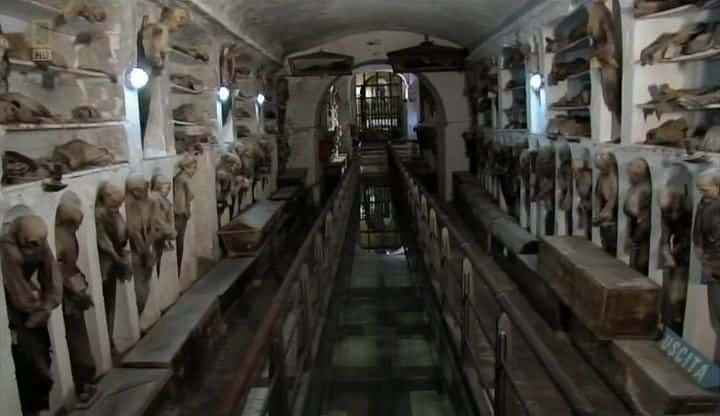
[351, 208]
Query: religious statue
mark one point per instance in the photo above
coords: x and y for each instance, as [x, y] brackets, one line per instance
[139, 208]
[675, 255]
[163, 231]
[637, 209]
[707, 243]
[76, 299]
[24, 254]
[606, 200]
[183, 194]
[112, 238]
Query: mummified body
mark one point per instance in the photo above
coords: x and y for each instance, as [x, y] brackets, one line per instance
[706, 239]
[139, 209]
[25, 253]
[601, 29]
[112, 242]
[154, 38]
[675, 255]
[163, 232]
[606, 200]
[545, 170]
[76, 298]
[183, 194]
[637, 209]
[583, 187]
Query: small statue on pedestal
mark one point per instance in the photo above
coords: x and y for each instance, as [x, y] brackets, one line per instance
[606, 200]
[112, 238]
[706, 239]
[637, 209]
[24, 254]
[76, 299]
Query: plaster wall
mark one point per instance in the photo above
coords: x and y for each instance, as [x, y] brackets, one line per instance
[449, 87]
[306, 93]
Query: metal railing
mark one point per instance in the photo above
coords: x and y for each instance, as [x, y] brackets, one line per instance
[485, 313]
[287, 340]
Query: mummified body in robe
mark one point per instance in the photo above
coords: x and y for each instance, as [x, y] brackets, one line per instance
[24, 254]
[605, 49]
[706, 239]
[637, 209]
[675, 255]
[163, 232]
[112, 241]
[139, 209]
[583, 187]
[606, 200]
[545, 170]
[76, 298]
[183, 194]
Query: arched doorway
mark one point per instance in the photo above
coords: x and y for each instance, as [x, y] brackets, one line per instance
[380, 105]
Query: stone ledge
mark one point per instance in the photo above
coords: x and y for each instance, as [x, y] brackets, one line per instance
[222, 278]
[163, 344]
[127, 392]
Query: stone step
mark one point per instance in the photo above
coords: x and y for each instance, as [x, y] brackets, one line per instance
[127, 392]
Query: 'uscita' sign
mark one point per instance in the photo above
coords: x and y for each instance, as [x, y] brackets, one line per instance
[702, 371]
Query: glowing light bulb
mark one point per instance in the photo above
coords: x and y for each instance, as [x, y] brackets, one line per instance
[536, 81]
[137, 78]
[223, 94]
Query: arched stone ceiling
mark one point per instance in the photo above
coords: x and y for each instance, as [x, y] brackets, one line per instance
[301, 24]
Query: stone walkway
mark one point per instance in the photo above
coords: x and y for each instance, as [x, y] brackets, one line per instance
[383, 359]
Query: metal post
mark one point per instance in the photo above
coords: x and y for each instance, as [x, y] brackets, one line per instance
[501, 354]
[279, 396]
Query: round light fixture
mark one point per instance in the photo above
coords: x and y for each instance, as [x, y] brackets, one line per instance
[137, 78]
[223, 94]
[536, 81]
[260, 99]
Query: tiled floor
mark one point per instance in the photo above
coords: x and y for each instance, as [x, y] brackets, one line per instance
[383, 359]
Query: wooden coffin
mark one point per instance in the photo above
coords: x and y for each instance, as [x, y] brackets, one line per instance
[605, 294]
[244, 235]
[490, 222]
